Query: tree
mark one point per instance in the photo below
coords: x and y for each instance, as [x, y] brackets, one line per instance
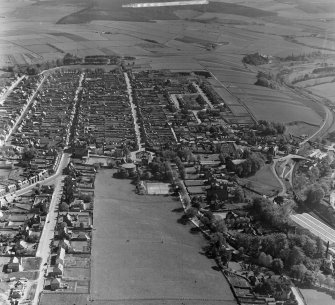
[68, 189]
[265, 260]
[309, 247]
[64, 207]
[220, 226]
[225, 256]
[238, 194]
[314, 194]
[298, 271]
[265, 288]
[319, 247]
[191, 212]
[321, 278]
[262, 259]
[296, 256]
[309, 278]
[28, 154]
[277, 265]
[329, 281]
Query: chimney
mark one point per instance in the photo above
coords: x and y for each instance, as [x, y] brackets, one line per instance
[327, 249]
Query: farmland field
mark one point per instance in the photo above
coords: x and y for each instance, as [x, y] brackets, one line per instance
[138, 237]
[327, 90]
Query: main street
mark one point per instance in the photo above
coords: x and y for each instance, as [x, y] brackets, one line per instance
[44, 249]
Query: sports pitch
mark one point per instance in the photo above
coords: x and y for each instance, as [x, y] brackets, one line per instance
[140, 252]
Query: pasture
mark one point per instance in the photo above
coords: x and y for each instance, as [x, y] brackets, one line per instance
[141, 252]
[326, 90]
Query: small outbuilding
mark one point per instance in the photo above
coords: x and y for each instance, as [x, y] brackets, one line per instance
[15, 264]
[55, 284]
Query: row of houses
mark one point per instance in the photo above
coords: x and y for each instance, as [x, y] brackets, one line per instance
[15, 103]
[44, 131]
[105, 120]
[73, 231]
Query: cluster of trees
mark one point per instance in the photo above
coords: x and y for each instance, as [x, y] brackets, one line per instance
[312, 188]
[68, 189]
[160, 169]
[255, 59]
[300, 57]
[160, 166]
[284, 250]
[252, 164]
[35, 69]
[266, 128]
[273, 215]
[28, 153]
[324, 70]
[270, 286]
[265, 80]
[315, 193]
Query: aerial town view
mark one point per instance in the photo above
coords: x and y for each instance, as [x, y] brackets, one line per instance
[167, 152]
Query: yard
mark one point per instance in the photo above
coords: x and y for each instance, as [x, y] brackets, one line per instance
[141, 252]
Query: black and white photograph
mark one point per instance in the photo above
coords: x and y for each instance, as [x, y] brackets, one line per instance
[167, 152]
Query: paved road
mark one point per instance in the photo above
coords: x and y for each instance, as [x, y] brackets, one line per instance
[43, 249]
[283, 186]
[298, 296]
[286, 159]
[327, 121]
[62, 164]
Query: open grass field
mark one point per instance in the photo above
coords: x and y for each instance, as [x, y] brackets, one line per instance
[314, 297]
[141, 252]
[264, 181]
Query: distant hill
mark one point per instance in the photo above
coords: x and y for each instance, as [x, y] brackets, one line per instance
[113, 10]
